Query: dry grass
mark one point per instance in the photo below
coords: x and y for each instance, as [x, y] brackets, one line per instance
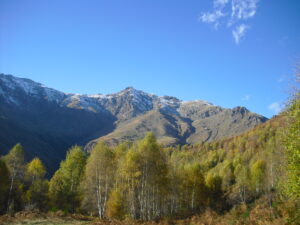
[33, 218]
[260, 214]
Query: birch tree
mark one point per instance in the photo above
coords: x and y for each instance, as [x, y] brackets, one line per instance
[64, 187]
[99, 178]
[36, 195]
[15, 163]
[4, 186]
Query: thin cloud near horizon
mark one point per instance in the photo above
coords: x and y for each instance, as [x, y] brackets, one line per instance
[246, 98]
[233, 13]
[276, 107]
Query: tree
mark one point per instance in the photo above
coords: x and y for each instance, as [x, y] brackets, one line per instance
[194, 189]
[4, 186]
[143, 177]
[64, 188]
[152, 192]
[214, 184]
[292, 145]
[35, 170]
[15, 163]
[258, 175]
[99, 177]
[115, 205]
[36, 195]
[129, 179]
[243, 179]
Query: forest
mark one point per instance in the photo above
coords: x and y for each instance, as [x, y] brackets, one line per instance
[251, 178]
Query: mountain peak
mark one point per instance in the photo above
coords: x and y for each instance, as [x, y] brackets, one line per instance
[29, 87]
[125, 115]
[240, 109]
[132, 91]
[130, 88]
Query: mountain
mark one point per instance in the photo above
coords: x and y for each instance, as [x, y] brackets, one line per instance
[47, 121]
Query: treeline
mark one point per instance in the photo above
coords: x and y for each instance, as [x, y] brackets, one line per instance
[146, 181]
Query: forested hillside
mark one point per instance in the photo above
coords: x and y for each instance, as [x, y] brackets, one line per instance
[240, 177]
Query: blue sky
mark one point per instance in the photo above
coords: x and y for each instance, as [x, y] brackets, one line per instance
[228, 52]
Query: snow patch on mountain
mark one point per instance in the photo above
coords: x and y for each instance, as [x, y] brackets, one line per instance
[140, 101]
[167, 101]
[31, 88]
[197, 102]
[53, 95]
[97, 96]
[85, 102]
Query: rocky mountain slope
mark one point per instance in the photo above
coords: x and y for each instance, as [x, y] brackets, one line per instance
[47, 121]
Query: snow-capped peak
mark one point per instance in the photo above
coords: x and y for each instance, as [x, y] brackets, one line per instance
[140, 101]
[31, 88]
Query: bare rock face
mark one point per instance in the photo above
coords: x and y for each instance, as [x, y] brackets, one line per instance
[47, 121]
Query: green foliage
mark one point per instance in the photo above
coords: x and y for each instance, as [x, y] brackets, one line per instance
[64, 191]
[258, 174]
[35, 170]
[146, 181]
[15, 164]
[98, 180]
[15, 161]
[115, 205]
[36, 196]
[143, 179]
[4, 186]
[214, 184]
[292, 144]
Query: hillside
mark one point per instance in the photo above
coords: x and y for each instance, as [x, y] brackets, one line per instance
[237, 180]
[47, 122]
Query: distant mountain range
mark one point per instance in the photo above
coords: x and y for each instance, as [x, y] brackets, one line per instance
[47, 122]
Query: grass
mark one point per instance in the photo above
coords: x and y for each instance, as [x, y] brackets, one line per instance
[51, 218]
[261, 213]
[47, 221]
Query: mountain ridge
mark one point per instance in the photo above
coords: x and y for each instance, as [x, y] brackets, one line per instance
[58, 120]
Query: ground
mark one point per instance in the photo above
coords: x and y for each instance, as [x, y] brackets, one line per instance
[260, 214]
